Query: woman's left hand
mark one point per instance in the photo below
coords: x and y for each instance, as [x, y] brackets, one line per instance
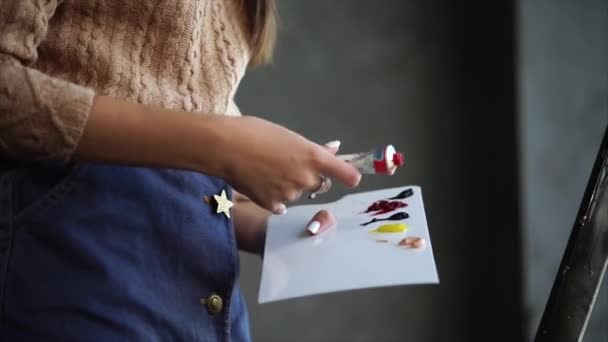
[250, 223]
[320, 222]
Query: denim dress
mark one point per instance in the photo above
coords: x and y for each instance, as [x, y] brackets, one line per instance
[95, 252]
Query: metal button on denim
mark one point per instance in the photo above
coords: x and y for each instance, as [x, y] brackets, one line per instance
[214, 303]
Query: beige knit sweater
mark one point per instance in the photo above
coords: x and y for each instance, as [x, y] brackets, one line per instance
[56, 55]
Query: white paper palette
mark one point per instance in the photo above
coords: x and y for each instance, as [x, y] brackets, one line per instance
[347, 256]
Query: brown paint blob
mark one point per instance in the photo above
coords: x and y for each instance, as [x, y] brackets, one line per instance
[412, 242]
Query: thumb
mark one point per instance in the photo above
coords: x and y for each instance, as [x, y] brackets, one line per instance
[320, 222]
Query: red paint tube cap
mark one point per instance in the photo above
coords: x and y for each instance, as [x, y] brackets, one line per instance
[398, 159]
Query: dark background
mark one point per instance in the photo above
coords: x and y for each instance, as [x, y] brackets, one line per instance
[499, 107]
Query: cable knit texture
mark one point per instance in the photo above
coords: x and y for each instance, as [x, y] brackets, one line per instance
[56, 55]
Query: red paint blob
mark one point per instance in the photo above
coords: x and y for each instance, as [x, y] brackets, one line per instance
[383, 206]
[376, 206]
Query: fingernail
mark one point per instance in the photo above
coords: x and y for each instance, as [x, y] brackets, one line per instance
[280, 209]
[313, 227]
[333, 144]
[358, 180]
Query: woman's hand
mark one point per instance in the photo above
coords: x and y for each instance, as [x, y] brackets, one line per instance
[251, 221]
[273, 165]
[320, 222]
[266, 162]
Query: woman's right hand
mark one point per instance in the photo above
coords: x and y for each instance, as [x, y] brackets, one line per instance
[273, 165]
[266, 162]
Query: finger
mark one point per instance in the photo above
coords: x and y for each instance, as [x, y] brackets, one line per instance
[239, 197]
[333, 146]
[279, 208]
[333, 167]
[292, 196]
[320, 222]
[274, 207]
[323, 186]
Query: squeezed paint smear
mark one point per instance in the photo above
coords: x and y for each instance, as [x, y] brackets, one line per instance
[391, 228]
[395, 217]
[378, 205]
[382, 241]
[391, 206]
[403, 194]
[412, 242]
[383, 207]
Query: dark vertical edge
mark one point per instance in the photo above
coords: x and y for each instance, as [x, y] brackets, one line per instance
[488, 50]
[573, 290]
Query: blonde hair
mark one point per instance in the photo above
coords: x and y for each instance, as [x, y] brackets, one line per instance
[262, 18]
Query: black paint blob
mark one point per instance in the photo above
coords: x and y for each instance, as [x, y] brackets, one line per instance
[395, 217]
[403, 194]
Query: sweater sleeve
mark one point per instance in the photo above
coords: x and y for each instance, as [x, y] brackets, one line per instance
[41, 117]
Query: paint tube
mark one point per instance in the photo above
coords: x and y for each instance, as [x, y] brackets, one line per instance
[383, 160]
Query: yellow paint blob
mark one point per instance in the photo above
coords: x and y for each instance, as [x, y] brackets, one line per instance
[391, 228]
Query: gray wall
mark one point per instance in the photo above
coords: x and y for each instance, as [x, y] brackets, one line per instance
[436, 79]
[563, 90]
[403, 72]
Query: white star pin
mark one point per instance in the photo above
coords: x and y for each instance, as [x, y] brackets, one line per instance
[223, 204]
